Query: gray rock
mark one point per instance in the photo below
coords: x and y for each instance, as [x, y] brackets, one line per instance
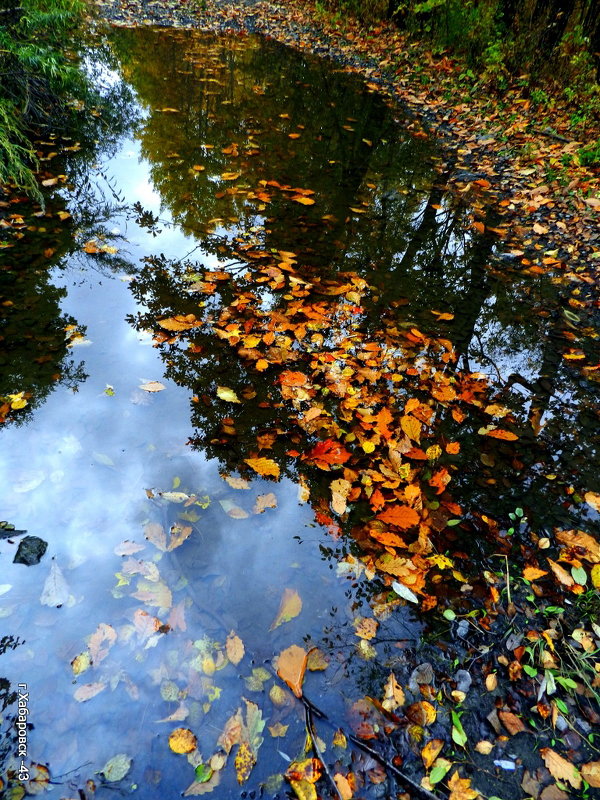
[30, 551]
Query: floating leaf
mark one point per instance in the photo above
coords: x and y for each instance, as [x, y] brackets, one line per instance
[88, 690]
[460, 788]
[404, 592]
[152, 386]
[411, 427]
[290, 607]
[393, 694]
[401, 516]
[264, 501]
[244, 761]
[235, 648]
[116, 768]
[264, 466]
[291, 666]
[81, 662]
[55, 591]
[224, 393]
[182, 740]
[232, 510]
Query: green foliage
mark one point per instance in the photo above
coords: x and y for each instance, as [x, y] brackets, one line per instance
[36, 80]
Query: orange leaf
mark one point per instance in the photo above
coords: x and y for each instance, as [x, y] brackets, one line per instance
[583, 541]
[290, 607]
[421, 713]
[400, 516]
[234, 648]
[460, 788]
[179, 323]
[291, 666]
[328, 452]
[182, 740]
[560, 768]
[293, 379]
[264, 466]
[533, 573]
[498, 433]
[306, 201]
[411, 427]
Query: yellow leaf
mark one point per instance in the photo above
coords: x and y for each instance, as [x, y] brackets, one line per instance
[533, 573]
[460, 788]
[305, 201]
[224, 393]
[244, 761]
[560, 768]
[421, 713]
[583, 541]
[595, 575]
[230, 176]
[591, 773]
[563, 576]
[431, 751]
[81, 662]
[278, 730]
[593, 500]
[235, 648]
[368, 447]
[264, 466]
[290, 607]
[182, 740]
[343, 785]
[366, 627]
[179, 323]
[411, 427]
[305, 790]
[291, 666]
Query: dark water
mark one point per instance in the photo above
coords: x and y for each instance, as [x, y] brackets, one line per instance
[84, 465]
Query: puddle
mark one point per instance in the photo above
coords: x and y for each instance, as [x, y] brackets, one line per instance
[229, 146]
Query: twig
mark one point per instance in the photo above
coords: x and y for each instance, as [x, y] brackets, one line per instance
[313, 738]
[551, 135]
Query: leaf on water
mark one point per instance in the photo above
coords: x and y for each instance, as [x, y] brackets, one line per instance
[244, 761]
[155, 533]
[393, 694]
[291, 666]
[81, 662]
[179, 323]
[305, 201]
[340, 489]
[236, 483]
[328, 453]
[224, 393]
[593, 500]
[401, 516]
[288, 378]
[234, 648]
[411, 427]
[116, 768]
[310, 769]
[560, 768]
[152, 386]
[230, 176]
[179, 533]
[254, 726]
[232, 510]
[290, 607]
[343, 786]
[154, 593]
[431, 751]
[88, 690]
[499, 433]
[232, 732]
[56, 589]
[182, 740]
[181, 712]
[128, 548]
[264, 501]
[317, 660]
[103, 634]
[366, 627]
[304, 790]
[200, 787]
[264, 466]
[278, 730]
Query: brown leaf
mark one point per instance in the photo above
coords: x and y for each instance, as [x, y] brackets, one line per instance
[290, 607]
[593, 500]
[590, 773]
[563, 576]
[155, 533]
[422, 713]
[560, 768]
[511, 722]
[179, 323]
[179, 533]
[393, 694]
[533, 573]
[104, 634]
[581, 540]
[291, 666]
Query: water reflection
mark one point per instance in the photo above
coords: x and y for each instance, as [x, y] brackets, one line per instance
[223, 160]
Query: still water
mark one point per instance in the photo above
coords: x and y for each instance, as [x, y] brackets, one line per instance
[119, 639]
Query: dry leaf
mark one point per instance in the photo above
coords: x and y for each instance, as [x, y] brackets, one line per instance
[582, 540]
[291, 666]
[431, 751]
[227, 394]
[235, 648]
[511, 722]
[244, 761]
[393, 694]
[563, 576]
[533, 573]
[264, 466]
[401, 516]
[560, 768]
[421, 713]
[590, 773]
[593, 500]
[88, 690]
[152, 386]
[460, 788]
[411, 427]
[182, 740]
[343, 785]
[290, 607]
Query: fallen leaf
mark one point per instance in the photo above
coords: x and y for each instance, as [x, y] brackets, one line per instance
[81, 662]
[343, 785]
[431, 751]
[235, 648]
[182, 740]
[264, 501]
[590, 773]
[244, 762]
[460, 788]
[278, 730]
[264, 466]
[305, 201]
[401, 516]
[290, 607]
[224, 393]
[584, 542]
[561, 574]
[393, 696]
[511, 722]
[593, 500]
[56, 590]
[88, 690]
[560, 768]
[291, 666]
[179, 323]
[533, 573]
[116, 768]
[421, 713]
[152, 386]
[411, 427]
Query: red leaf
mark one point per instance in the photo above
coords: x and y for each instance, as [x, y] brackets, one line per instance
[328, 452]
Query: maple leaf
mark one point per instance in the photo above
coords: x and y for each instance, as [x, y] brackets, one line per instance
[327, 453]
[460, 788]
[401, 516]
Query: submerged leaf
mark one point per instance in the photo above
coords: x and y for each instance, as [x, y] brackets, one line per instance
[290, 607]
[291, 666]
[116, 768]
